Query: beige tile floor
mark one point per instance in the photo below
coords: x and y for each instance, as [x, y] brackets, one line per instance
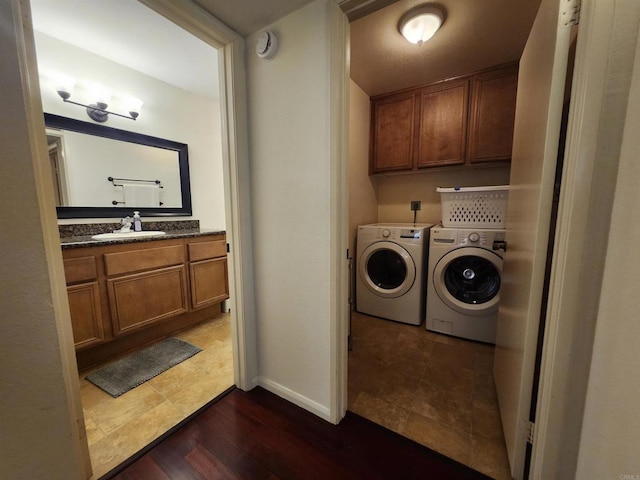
[119, 427]
[435, 389]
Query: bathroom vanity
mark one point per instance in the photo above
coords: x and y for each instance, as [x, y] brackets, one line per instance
[124, 294]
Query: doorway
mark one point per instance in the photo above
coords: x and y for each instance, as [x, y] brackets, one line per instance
[216, 336]
[455, 412]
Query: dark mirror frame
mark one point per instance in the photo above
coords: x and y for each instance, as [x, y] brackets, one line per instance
[65, 123]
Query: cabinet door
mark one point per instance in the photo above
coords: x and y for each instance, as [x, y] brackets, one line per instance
[493, 109]
[443, 124]
[86, 319]
[209, 282]
[392, 134]
[141, 299]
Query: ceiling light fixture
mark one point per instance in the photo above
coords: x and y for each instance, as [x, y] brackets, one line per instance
[419, 25]
[97, 111]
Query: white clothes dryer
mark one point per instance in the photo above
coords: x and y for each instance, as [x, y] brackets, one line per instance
[463, 286]
[391, 276]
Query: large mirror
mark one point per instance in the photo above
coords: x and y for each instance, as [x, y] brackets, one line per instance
[101, 172]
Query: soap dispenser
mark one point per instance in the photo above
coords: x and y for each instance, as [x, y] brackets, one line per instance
[137, 222]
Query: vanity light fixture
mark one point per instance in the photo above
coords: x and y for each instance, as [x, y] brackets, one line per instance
[97, 111]
[420, 24]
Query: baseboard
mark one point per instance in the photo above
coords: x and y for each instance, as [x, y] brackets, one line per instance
[295, 398]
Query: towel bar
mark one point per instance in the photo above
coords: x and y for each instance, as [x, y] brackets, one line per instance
[113, 180]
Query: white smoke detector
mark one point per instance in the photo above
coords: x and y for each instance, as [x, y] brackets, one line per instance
[266, 44]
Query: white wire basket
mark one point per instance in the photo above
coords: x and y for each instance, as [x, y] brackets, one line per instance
[475, 207]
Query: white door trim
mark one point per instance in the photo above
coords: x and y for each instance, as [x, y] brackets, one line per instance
[339, 236]
[30, 89]
[596, 122]
[233, 106]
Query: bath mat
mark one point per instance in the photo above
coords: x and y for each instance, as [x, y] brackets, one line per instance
[135, 369]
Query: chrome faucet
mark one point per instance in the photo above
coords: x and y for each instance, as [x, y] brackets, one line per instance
[126, 225]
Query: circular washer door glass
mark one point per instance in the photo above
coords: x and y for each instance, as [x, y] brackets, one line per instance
[387, 269]
[472, 280]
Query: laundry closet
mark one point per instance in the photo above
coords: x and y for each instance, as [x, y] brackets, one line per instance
[423, 368]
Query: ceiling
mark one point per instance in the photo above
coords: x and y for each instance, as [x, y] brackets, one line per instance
[476, 34]
[249, 16]
[128, 33]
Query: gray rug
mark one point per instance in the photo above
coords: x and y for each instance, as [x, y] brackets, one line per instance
[137, 368]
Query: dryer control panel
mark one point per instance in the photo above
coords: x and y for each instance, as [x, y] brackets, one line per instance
[410, 234]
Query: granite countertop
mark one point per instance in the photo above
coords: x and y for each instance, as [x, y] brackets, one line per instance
[87, 241]
[79, 236]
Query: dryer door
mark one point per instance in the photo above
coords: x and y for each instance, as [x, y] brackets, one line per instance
[387, 269]
[468, 280]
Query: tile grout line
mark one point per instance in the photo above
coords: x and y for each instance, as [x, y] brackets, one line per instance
[220, 338]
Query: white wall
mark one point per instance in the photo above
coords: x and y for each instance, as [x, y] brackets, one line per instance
[610, 433]
[395, 192]
[168, 112]
[291, 160]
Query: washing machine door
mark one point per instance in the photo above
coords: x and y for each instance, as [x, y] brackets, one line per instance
[387, 269]
[468, 280]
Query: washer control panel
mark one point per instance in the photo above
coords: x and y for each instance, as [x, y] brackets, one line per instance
[466, 238]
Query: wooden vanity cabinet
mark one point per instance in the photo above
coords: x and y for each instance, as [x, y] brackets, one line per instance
[145, 285]
[124, 296]
[84, 300]
[208, 272]
[461, 121]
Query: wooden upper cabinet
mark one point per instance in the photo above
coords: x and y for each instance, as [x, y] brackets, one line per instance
[493, 109]
[392, 134]
[460, 121]
[443, 124]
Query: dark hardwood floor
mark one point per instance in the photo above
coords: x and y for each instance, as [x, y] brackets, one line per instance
[258, 435]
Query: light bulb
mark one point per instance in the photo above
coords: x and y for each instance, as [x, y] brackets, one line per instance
[63, 84]
[100, 94]
[420, 25]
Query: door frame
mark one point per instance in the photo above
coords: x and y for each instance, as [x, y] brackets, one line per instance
[237, 196]
[596, 122]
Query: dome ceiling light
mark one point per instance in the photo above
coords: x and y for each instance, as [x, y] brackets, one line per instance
[419, 25]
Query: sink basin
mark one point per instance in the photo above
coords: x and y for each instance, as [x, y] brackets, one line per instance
[128, 235]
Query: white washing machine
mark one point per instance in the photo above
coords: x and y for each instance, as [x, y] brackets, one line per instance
[464, 277]
[391, 276]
